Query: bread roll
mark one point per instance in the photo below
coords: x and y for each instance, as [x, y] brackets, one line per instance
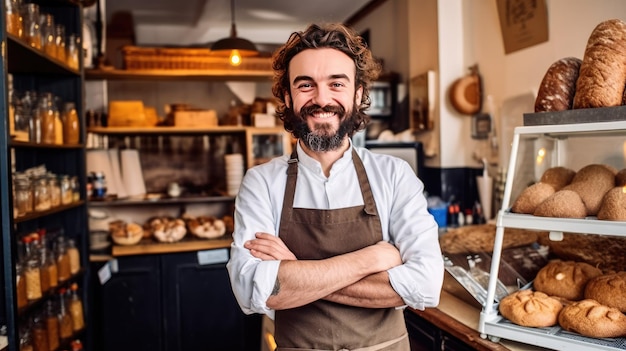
[531, 197]
[609, 290]
[590, 318]
[562, 204]
[530, 309]
[557, 89]
[620, 178]
[566, 279]
[558, 177]
[613, 207]
[603, 70]
[592, 182]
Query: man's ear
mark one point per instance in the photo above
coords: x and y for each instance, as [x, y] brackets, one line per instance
[358, 95]
[287, 100]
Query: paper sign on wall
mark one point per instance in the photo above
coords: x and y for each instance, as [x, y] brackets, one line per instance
[523, 23]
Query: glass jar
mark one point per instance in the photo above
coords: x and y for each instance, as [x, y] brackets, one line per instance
[41, 194]
[14, 17]
[33, 279]
[67, 196]
[52, 325]
[59, 31]
[66, 328]
[38, 329]
[55, 190]
[23, 195]
[50, 266]
[63, 260]
[48, 113]
[48, 41]
[75, 188]
[71, 128]
[76, 309]
[32, 29]
[26, 340]
[20, 284]
[72, 50]
[74, 255]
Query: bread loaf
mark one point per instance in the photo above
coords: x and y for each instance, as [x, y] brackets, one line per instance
[590, 318]
[530, 308]
[531, 197]
[592, 182]
[609, 290]
[613, 207]
[562, 204]
[602, 72]
[558, 177]
[566, 279]
[557, 89]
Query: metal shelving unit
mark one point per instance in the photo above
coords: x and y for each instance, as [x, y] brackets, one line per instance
[492, 324]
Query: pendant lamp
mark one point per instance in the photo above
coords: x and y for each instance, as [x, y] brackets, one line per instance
[233, 47]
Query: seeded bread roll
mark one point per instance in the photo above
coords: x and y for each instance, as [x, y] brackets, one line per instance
[558, 177]
[566, 279]
[590, 318]
[603, 71]
[530, 309]
[557, 89]
[592, 182]
[613, 207]
[620, 177]
[609, 290]
[531, 197]
[562, 204]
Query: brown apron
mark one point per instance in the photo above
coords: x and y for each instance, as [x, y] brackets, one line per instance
[318, 234]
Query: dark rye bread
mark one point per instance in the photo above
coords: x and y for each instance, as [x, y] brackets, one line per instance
[602, 73]
[558, 87]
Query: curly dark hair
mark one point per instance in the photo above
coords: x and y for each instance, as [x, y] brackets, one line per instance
[334, 36]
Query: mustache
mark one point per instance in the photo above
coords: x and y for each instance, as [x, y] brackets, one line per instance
[311, 109]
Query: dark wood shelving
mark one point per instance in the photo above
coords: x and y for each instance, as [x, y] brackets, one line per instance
[164, 200]
[25, 59]
[39, 214]
[179, 74]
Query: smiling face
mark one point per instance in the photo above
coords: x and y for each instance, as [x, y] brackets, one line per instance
[323, 96]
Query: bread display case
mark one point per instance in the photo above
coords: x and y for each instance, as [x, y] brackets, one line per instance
[537, 147]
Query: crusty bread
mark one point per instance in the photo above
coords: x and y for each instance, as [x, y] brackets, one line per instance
[558, 177]
[603, 70]
[557, 89]
[531, 197]
[530, 308]
[590, 318]
[566, 279]
[609, 290]
[620, 178]
[562, 204]
[613, 205]
[592, 182]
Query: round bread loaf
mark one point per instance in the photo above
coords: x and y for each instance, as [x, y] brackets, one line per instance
[592, 182]
[609, 290]
[558, 177]
[613, 207]
[531, 197]
[603, 70]
[590, 318]
[620, 178]
[557, 89]
[530, 308]
[566, 279]
[562, 204]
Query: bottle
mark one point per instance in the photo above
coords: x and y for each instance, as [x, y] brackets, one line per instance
[65, 320]
[59, 31]
[54, 190]
[67, 196]
[48, 113]
[41, 194]
[52, 325]
[32, 30]
[63, 260]
[70, 124]
[14, 18]
[48, 35]
[20, 284]
[38, 330]
[31, 271]
[72, 51]
[74, 256]
[76, 309]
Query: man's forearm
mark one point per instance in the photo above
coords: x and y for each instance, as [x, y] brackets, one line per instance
[373, 291]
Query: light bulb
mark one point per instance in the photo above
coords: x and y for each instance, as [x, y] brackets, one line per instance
[235, 58]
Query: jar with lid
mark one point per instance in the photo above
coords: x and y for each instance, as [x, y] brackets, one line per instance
[75, 188]
[38, 329]
[63, 260]
[52, 325]
[59, 31]
[48, 113]
[14, 18]
[74, 255]
[41, 194]
[72, 51]
[32, 29]
[67, 196]
[76, 308]
[65, 319]
[49, 266]
[20, 284]
[48, 36]
[23, 195]
[70, 124]
[55, 190]
[44, 275]
[33, 279]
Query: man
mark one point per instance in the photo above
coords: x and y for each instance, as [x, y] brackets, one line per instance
[332, 241]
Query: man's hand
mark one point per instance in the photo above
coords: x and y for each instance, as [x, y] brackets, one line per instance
[269, 247]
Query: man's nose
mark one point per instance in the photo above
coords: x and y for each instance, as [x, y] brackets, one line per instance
[322, 97]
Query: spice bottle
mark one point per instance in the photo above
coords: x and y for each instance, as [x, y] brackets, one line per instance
[74, 256]
[65, 320]
[70, 124]
[52, 325]
[76, 309]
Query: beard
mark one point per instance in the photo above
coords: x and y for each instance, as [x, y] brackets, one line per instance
[322, 137]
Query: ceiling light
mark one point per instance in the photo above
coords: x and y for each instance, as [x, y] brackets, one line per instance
[233, 47]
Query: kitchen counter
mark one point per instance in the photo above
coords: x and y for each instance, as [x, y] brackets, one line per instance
[460, 319]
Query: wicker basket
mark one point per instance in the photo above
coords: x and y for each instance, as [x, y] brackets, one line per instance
[148, 58]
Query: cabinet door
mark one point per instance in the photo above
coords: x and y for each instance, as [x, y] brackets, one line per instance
[201, 310]
[131, 306]
[423, 336]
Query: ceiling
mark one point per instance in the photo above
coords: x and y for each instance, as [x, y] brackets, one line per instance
[192, 22]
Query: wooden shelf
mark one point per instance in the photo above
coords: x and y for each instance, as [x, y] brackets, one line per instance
[174, 74]
[25, 59]
[149, 246]
[164, 130]
[165, 200]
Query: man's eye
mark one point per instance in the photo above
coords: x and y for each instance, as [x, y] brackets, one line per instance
[337, 85]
